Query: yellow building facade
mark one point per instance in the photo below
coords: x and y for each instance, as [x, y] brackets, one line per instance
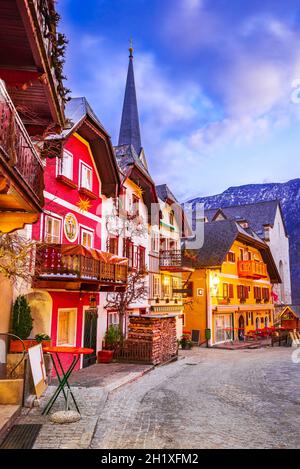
[234, 297]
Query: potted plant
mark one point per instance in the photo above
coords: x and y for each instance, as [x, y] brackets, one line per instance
[112, 339]
[186, 341]
[22, 323]
[44, 339]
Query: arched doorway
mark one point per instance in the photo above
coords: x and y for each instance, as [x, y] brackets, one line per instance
[257, 322]
[266, 321]
[241, 331]
[41, 310]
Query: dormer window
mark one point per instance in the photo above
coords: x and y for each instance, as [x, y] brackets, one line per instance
[86, 177]
[65, 165]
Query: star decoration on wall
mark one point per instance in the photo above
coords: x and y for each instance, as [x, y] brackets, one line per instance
[139, 191]
[83, 204]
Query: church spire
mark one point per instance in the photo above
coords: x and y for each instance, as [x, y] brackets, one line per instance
[130, 127]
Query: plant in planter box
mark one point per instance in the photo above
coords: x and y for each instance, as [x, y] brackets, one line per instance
[112, 339]
[43, 339]
[22, 323]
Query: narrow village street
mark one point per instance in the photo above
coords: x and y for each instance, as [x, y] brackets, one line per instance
[210, 399]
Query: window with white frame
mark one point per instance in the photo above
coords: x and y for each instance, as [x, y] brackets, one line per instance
[86, 177]
[66, 327]
[87, 238]
[155, 241]
[156, 286]
[112, 319]
[65, 165]
[52, 233]
[175, 286]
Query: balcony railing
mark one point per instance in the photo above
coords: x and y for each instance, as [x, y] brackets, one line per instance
[17, 149]
[252, 269]
[53, 263]
[174, 259]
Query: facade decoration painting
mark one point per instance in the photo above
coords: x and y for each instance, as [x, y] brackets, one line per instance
[71, 227]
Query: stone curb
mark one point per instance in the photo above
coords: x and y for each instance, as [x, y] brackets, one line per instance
[87, 437]
[133, 376]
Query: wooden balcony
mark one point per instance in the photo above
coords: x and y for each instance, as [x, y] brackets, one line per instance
[76, 267]
[30, 62]
[252, 269]
[175, 261]
[21, 170]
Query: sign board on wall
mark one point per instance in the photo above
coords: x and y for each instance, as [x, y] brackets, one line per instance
[38, 369]
[200, 291]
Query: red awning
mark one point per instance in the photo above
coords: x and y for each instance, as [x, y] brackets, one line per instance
[107, 257]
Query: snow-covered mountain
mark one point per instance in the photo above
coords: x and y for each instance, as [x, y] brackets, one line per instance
[288, 194]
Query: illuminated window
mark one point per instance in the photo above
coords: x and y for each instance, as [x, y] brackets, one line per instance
[166, 286]
[66, 328]
[87, 238]
[113, 245]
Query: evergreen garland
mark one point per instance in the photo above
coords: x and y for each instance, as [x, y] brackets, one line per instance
[22, 321]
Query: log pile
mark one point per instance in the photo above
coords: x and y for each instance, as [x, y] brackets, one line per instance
[157, 332]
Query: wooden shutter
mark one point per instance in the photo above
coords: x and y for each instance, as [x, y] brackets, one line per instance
[231, 295]
[142, 260]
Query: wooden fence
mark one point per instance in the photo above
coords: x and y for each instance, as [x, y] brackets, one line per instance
[129, 351]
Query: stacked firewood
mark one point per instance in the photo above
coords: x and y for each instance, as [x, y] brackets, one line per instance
[159, 332]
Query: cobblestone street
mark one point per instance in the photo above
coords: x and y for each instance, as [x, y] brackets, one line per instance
[210, 399]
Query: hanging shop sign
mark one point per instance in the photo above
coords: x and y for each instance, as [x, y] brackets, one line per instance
[71, 227]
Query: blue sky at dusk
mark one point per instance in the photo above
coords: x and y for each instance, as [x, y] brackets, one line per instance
[214, 82]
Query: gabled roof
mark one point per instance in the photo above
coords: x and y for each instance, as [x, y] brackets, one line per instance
[165, 194]
[257, 214]
[84, 121]
[131, 167]
[219, 236]
[294, 309]
[76, 109]
[127, 156]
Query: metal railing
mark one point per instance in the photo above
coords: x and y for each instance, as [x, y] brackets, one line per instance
[9, 334]
[17, 148]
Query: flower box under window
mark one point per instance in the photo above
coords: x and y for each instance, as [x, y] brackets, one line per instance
[87, 193]
[66, 180]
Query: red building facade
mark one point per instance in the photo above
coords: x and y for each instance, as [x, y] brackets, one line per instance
[70, 266]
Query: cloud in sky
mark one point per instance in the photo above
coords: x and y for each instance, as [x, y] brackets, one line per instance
[212, 84]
